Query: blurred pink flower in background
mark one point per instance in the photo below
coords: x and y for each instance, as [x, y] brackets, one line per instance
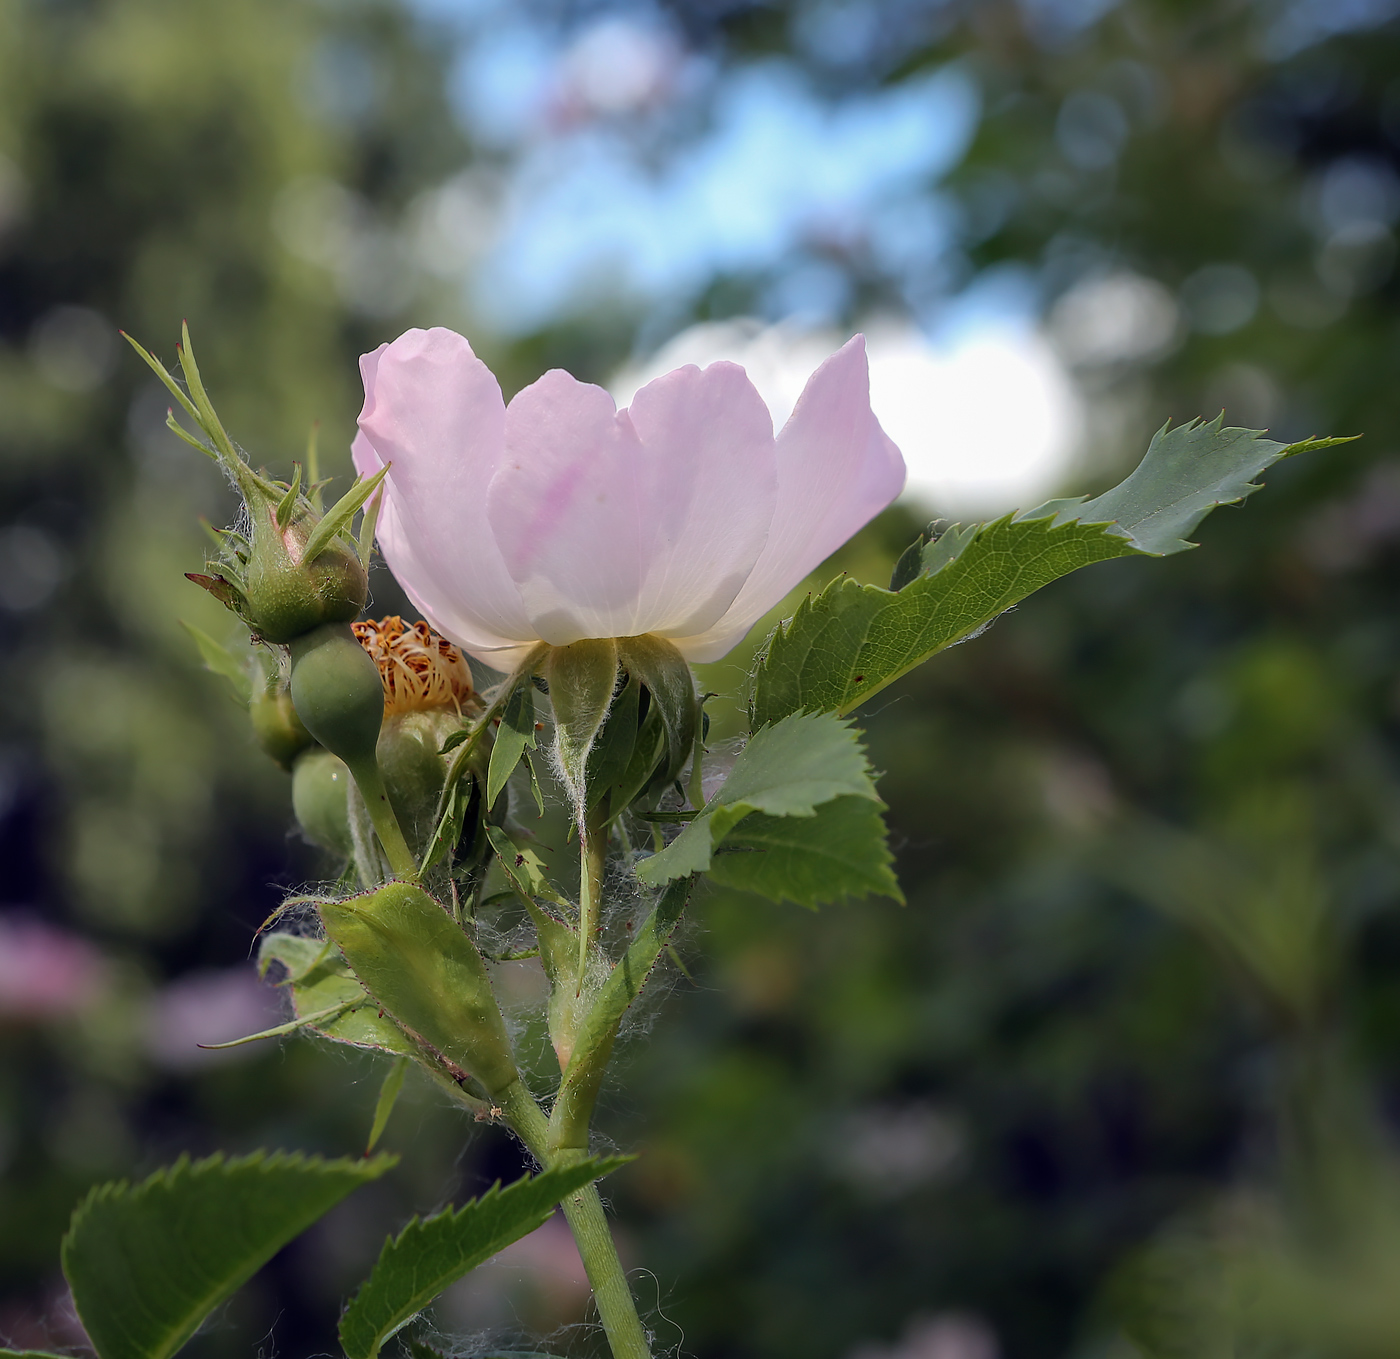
[211, 1006]
[559, 517]
[45, 972]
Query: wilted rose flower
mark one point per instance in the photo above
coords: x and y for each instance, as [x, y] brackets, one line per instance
[559, 517]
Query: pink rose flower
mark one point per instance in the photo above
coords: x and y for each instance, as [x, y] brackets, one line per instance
[558, 517]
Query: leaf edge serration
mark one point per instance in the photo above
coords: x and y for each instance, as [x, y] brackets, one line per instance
[185, 1170]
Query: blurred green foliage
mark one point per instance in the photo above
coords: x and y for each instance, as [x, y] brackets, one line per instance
[1120, 1079]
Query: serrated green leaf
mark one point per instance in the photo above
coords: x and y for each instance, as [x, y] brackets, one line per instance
[840, 852]
[1187, 472]
[852, 640]
[515, 734]
[320, 980]
[219, 659]
[787, 769]
[148, 1264]
[338, 517]
[932, 551]
[431, 1254]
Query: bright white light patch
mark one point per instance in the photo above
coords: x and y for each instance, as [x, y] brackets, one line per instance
[987, 424]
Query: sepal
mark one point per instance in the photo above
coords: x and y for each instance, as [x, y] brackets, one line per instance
[670, 690]
[321, 983]
[582, 680]
[558, 940]
[414, 959]
[297, 569]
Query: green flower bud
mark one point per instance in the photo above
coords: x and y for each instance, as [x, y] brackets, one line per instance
[338, 694]
[285, 595]
[320, 788]
[295, 572]
[279, 731]
[428, 696]
[413, 771]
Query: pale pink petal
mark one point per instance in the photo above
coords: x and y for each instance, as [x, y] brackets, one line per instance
[837, 469]
[713, 436]
[434, 411]
[614, 523]
[431, 596]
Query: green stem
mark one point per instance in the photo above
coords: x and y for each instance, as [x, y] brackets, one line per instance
[583, 1210]
[617, 1309]
[386, 824]
[596, 1034]
[593, 851]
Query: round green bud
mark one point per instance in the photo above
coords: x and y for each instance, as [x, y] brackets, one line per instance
[279, 731]
[338, 693]
[285, 596]
[320, 788]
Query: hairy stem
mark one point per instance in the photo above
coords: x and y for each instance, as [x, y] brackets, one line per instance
[593, 851]
[583, 1210]
[386, 824]
[617, 1309]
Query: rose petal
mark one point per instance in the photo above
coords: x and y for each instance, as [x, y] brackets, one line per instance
[837, 469]
[434, 411]
[615, 523]
[428, 593]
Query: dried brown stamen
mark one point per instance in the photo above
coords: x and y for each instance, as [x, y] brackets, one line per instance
[420, 670]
